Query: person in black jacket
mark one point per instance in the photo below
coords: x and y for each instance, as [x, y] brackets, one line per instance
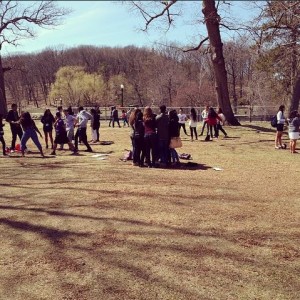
[138, 139]
[95, 125]
[174, 132]
[12, 118]
[48, 121]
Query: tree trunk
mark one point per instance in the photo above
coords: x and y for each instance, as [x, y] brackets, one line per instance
[3, 104]
[296, 95]
[212, 20]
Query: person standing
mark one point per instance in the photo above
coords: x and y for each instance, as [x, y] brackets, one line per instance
[280, 125]
[204, 115]
[294, 124]
[81, 122]
[48, 120]
[2, 135]
[221, 122]
[115, 117]
[181, 121]
[174, 132]
[193, 124]
[13, 119]
[124, 118]
[150, 138]
[162, 124]
[138, 136]
[61, 134]
[69, 122]
[30, 131]
[95, 125]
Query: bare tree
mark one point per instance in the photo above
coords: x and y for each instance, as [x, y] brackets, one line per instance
[17, 21]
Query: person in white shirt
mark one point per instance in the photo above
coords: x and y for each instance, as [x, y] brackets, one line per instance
[204, 115]
[280, 125]
[182, 118]
[81, 122]
[69, 121]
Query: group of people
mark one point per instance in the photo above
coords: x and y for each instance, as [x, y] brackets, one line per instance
[114, 117]
[153, 135]
[63, 123]
[293, 123]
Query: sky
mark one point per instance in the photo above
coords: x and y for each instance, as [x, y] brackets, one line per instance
[111, 23]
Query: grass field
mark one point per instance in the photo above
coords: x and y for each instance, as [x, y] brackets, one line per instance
[77, 227]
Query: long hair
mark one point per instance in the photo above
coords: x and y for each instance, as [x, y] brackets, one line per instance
[193, 114]
[25, 119]
[133, 116]
[148, 114]
[48, 113]
[212, 113]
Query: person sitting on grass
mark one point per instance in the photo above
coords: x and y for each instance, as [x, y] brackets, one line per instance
[61, 137]
[29, 131]
[2, 135]
[294, 124]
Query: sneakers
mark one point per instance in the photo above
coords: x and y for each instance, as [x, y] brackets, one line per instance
[53, 153]
[88, 150]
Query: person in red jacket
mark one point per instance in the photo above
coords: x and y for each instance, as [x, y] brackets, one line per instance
[212, 120]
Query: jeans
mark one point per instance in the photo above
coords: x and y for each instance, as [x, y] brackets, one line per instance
[81, 133]
[70, 134]
[15, 131]
[203, 127]
[115, 120]
[174, 155]
[138, 152]
[193, 131]
[150, 141]
[210, 130]
[219, 127]
[27, 134]
[183, 126]
[163, 146]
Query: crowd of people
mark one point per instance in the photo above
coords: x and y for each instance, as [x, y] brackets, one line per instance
[154, 137]
[63, 123]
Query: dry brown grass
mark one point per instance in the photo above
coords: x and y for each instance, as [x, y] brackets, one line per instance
[82, 228]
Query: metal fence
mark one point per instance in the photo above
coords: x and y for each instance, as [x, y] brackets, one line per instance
[243, 113]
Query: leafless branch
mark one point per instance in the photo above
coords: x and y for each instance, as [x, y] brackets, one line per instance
[198, 47]
[150, 18]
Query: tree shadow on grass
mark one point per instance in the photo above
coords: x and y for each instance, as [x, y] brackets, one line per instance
[259, 128]
[52, 234]
[191, 166]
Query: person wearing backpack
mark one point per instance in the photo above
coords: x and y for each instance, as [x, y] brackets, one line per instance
[280, 125]
[138, 140]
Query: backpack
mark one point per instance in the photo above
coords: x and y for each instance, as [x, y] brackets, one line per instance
[274, 121]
